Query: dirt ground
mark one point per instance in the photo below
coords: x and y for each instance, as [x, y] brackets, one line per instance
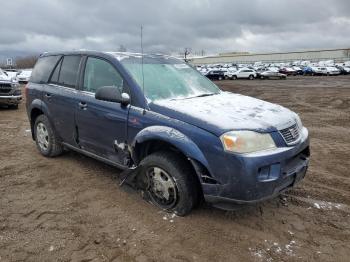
[71, 208]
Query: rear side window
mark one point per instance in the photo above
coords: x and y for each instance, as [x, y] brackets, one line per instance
[56, 73]
[68, 73]
[43, 69]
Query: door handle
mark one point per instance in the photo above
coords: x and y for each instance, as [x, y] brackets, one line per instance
[48, 95]
[83, 105]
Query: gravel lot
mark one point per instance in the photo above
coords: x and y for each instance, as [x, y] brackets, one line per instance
[71, 208]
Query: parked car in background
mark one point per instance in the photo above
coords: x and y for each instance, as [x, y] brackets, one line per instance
[307, 70]
[332, 70]
[344, 70]
[178, 136]
[318, 70]
[244, 73]
[12, 73]
[230, 72]
[23, 76]
[272, 75]
[215, 75]
[288, 71]
[10, 92]
[298, 70]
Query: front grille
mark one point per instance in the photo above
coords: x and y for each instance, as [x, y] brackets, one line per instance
[5, 88]
[290, 134]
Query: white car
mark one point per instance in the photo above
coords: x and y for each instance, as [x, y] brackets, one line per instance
[6, 76]
[244, 73]
[12, 73]
[273, 69]
[230, 72]
[319, 70]
[331, 70]
[24, 76]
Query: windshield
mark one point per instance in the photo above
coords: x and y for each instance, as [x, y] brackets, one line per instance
[167, 78]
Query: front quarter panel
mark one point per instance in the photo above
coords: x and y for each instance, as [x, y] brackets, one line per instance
[174, 137]
[194, 142]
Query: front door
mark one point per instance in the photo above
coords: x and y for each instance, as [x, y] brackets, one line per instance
[101, 125]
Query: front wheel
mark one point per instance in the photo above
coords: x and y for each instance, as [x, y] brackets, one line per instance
[220, 78]
[170, 182]
[234, 77]
[251, 77]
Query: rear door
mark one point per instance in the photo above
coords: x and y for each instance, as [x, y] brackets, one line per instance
[61, 96]
[245, 73]
[102, 125]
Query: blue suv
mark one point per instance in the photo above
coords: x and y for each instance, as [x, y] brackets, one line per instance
[179, 138]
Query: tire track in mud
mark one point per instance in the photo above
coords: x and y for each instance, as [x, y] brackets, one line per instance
[71, 208]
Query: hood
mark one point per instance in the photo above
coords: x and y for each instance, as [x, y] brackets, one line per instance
[4, 78]
[227, 111]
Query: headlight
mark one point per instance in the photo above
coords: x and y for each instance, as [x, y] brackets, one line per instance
[298, 120]
[246, 141]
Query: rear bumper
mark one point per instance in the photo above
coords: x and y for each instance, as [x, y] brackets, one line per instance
[10, 99]
[257, 177]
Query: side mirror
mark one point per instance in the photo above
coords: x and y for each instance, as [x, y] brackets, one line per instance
[112, 94]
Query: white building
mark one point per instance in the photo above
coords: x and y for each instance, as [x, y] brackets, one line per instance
[338, 55]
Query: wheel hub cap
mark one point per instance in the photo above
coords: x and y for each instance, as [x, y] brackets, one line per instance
[162, 187]
[42, 136]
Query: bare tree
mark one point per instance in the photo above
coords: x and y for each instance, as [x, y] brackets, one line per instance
[187, 51]
[122, 48]
[25, 62]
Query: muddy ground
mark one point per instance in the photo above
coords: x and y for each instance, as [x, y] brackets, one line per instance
[71, 208]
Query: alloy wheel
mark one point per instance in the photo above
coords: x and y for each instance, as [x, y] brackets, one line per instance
[42, 136]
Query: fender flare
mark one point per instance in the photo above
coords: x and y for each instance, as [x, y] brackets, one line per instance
[35, 104]
[38, 104]
[173, 137]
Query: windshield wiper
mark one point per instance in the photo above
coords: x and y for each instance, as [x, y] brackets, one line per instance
[202, 95]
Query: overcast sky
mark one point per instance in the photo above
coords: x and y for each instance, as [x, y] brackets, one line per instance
[170, 25]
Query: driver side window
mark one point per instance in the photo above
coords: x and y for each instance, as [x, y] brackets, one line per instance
[100, 73]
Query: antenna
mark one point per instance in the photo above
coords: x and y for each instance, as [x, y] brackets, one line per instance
[143, 76]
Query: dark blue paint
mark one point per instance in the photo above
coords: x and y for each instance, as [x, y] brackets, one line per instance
[95, 128]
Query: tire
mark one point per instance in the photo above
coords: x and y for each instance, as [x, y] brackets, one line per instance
[220, 78]
[46, 139]
[234, 77]
[251, 77]
[183, 195]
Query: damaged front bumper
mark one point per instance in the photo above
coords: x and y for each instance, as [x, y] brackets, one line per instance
[259, 176]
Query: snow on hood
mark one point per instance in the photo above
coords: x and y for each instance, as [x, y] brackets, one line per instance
[5, 78]
[227, 111]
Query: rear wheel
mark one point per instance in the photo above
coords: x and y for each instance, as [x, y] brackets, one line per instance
[251, 77]
[170, 183]
[46, 140]
[220, 78]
